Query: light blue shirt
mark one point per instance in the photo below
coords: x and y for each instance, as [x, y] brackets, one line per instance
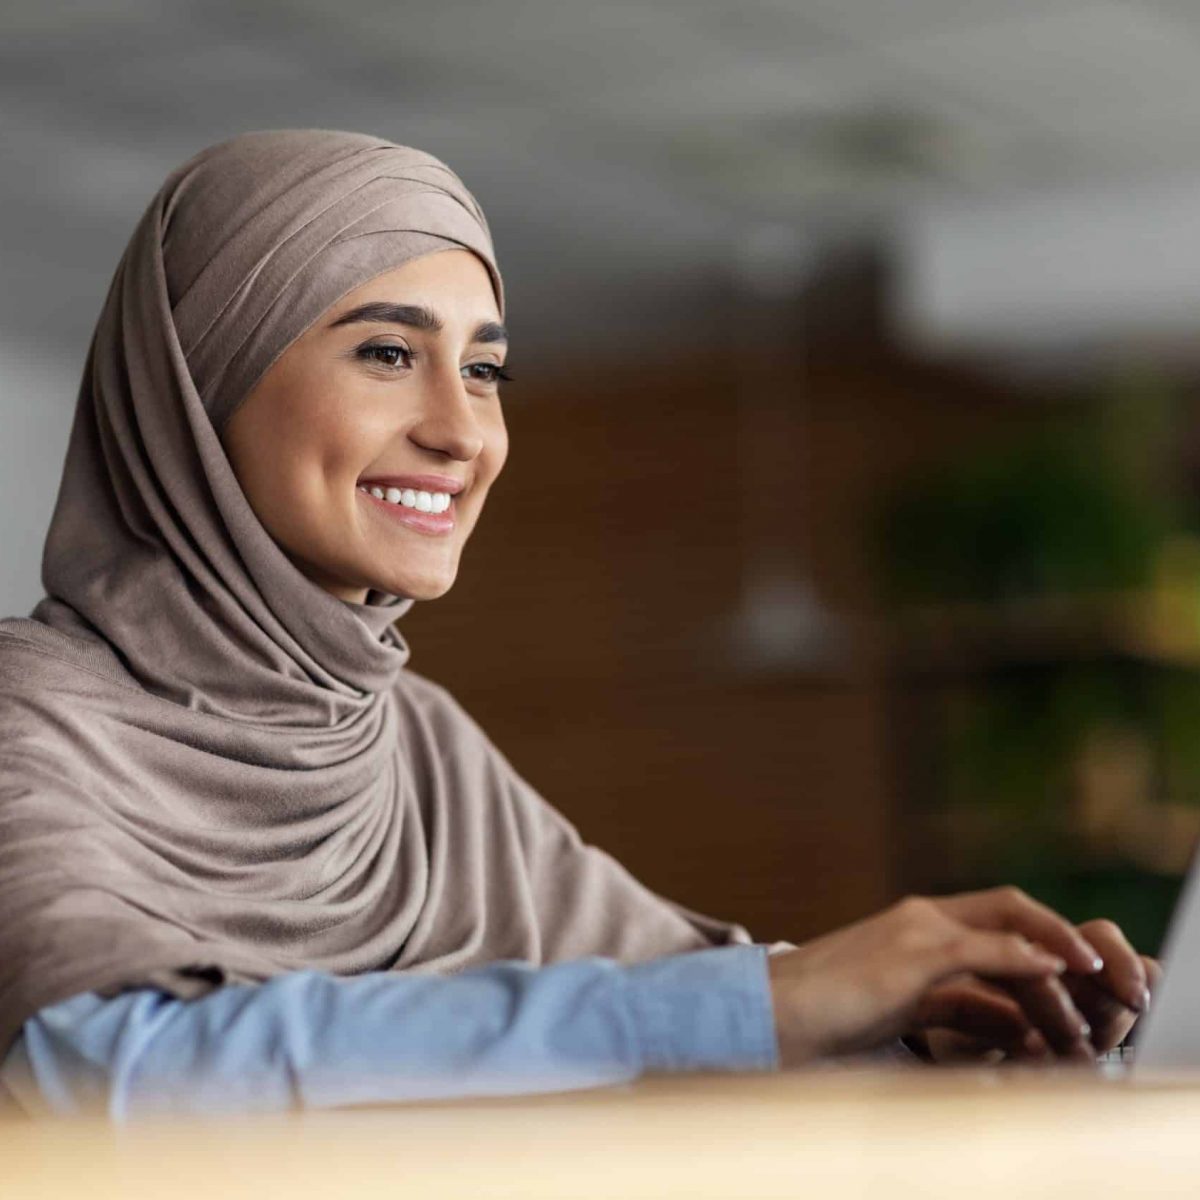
[308, 1039]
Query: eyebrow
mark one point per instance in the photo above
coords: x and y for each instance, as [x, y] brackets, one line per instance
[416, 316]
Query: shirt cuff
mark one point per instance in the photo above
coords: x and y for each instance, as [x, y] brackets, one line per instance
[705, 1010]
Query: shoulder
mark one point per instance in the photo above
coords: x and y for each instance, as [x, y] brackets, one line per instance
[35, 657]
[436, 726]
[422, 699]
[430, 714]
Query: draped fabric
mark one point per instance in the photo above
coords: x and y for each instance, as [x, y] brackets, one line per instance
[211, 769]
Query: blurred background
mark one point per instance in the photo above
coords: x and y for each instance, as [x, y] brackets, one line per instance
[850, 539]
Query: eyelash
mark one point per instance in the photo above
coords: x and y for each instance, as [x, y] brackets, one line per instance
[368, 352]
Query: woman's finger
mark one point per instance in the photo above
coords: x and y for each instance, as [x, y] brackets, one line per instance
[950, 1046]
[1049, 1007]
[1153, 969]
[1124, 974]
[1037, 1049]
[1110, 1020]
[1009, 908]
[959, 948]
[985, 1017]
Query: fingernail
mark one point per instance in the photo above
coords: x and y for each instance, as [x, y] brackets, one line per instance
[1085, 1030]
[1138, 999]
[1097, 963]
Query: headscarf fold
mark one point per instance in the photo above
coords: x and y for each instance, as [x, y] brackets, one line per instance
[211, 769]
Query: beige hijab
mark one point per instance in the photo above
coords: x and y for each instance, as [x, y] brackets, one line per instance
[212, 770]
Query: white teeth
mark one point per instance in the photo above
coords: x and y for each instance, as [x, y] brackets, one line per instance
[430, 502]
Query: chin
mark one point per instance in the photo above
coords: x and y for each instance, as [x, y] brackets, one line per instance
[417, 589]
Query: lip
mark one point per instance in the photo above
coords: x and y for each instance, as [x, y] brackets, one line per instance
[419, 483]
[431, 524]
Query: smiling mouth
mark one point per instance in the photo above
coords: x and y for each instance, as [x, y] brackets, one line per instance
[423, 521]
[407, 497]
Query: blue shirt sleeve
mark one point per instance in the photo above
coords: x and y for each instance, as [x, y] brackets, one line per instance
[308, 1039]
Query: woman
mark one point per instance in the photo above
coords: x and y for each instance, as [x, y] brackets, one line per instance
[248, 858]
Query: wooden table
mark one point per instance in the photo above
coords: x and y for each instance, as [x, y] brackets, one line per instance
[1020, 1134]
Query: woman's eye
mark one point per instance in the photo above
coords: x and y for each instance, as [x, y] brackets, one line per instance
[494, 372]
[396, 357]
[388, 356]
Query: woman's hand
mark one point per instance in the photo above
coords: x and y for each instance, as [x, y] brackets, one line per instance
[1110, 1001]
[904, 969]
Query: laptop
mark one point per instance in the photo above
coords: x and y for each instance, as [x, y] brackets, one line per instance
[1167, 1038]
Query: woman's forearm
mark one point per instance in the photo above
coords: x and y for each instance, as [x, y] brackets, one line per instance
[314, 1040]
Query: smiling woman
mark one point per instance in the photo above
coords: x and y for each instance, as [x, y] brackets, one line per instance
[248, 857]
[243, 847]
[412, 411]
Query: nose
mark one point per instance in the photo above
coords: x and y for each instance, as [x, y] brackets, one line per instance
[447, 423]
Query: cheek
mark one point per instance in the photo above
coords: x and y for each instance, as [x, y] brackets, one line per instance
[328, 434]
[344, 447]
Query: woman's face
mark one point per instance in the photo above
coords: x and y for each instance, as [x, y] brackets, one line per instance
[394, 388]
